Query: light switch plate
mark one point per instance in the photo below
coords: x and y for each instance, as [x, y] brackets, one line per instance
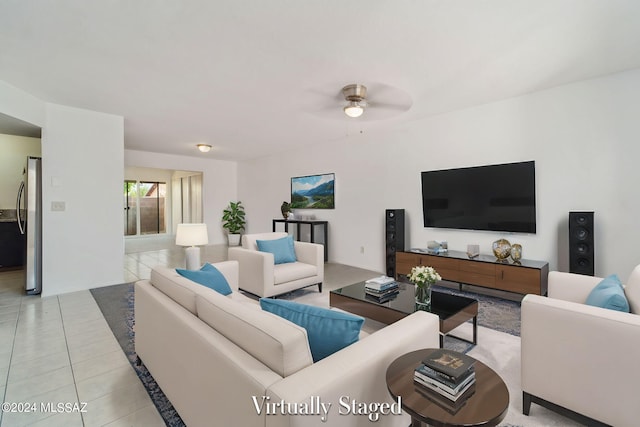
[58, 206]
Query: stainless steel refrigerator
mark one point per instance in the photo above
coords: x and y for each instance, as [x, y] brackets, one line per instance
[29, 216]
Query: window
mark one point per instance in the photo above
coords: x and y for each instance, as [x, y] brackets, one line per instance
[130, 208]
[144, 207]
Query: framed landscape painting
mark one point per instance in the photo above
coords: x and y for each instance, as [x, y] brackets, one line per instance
[313, 192]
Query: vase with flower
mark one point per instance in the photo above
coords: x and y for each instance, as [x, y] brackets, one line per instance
[423, 277]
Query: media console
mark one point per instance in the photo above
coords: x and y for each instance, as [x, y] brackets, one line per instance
[527, 277]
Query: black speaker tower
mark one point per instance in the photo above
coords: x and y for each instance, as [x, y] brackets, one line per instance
[581, 243]
[394, 237]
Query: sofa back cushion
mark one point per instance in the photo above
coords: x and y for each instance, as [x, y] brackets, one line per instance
[183, 290]
[249, 240]
[178, 288]
[632, 290]
[276, 342]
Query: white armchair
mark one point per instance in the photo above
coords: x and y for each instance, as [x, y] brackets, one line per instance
[260, 276]
[580, 360]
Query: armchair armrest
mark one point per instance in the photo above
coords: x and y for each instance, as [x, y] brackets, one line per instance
[571, 286]
[309, 253]
[582, 358]
[358, 372]
[256, 269]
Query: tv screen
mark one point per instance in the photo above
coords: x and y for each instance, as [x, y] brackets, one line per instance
[495, 197]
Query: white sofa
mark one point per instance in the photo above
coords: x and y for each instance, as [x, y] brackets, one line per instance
[260, 276]
[582, 358]
[211, 354]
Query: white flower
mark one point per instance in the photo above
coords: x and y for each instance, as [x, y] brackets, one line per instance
[422, 275]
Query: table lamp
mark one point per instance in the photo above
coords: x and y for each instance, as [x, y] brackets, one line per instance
[192, 235]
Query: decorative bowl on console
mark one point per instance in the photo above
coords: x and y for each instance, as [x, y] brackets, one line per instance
[501, 249]
[285, 208]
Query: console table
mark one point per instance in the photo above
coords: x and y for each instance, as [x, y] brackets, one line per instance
[312, 223]
[527, 277]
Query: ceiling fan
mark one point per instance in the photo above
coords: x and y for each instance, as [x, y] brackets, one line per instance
[373, 102]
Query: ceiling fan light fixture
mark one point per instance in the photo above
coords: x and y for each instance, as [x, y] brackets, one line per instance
[205, 148]
[356, 95]
[353, 109]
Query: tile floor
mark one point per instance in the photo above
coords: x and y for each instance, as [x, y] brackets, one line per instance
[61, 350]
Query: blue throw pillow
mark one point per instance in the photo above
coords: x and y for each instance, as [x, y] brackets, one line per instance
[609, 293]
[328, 330]
[208, 276]
[282, 249]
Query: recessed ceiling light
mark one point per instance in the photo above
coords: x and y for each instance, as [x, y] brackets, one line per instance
[205, 148]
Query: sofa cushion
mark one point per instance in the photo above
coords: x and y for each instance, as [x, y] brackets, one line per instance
[609, 294]
[208, 276]
[178, 288]
[283, 273]
[276, 342]
[632, 290]
[328, 330]
[282, 249]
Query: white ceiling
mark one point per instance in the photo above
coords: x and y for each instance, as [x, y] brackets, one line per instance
[256, 77]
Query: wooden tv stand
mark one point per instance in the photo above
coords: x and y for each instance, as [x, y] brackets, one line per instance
[529, 277]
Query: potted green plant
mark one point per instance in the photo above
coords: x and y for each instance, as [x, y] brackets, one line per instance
[233, 221]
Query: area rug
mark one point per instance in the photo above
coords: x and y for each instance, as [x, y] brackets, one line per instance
[496, 349]
[116, 304]
[495, 313]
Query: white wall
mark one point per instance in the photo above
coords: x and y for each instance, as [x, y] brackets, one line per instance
[82, 246]
[15, 150]
[583, 137]
[21, 105]
[219, 183]
[82, 166]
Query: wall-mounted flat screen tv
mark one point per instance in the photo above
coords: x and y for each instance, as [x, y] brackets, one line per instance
[313, 192]
[494, 197]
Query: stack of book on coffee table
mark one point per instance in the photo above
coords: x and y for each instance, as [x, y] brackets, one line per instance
[381, 289]
[449, 375]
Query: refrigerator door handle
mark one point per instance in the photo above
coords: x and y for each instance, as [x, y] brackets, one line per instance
[20, 193]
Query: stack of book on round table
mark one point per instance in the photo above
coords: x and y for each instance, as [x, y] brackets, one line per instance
[447, 374]
[381, 289]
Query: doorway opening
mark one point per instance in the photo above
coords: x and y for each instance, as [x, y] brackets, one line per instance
[157, 200]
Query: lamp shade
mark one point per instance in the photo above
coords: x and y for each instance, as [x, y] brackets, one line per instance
[192, 235]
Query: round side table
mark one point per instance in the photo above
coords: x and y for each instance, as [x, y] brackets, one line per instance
[486, 406]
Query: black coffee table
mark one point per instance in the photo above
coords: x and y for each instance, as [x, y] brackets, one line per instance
[453, 310]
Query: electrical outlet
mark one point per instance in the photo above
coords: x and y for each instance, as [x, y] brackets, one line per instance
[58, 206]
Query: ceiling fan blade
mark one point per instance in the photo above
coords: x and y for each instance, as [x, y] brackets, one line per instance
[389, 106]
